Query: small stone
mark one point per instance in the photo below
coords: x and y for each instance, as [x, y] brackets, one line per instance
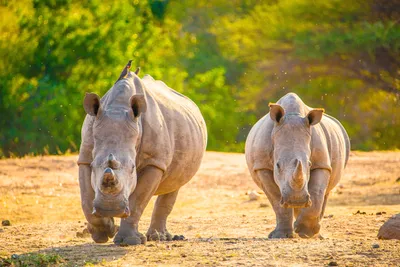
[83, 234]
[391, 228]
[263, 205]
[360, 212]
[375, 245]
[6, 223]
[14, 256]
[178, 238]
[333, 263]
[398, 180]
[183, 255]
[253, 195]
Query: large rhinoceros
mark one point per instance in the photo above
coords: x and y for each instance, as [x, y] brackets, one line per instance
[296, 155]
[141, 139]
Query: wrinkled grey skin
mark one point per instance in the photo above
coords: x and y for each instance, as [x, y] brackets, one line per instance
[297, 155]
[141, 139]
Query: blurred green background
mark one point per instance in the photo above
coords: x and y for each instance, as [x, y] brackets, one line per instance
[231, 57]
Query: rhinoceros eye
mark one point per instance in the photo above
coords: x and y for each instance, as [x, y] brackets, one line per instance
[133, 168]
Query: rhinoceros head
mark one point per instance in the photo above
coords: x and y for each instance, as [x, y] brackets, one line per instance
[291, 139]
[116, 134]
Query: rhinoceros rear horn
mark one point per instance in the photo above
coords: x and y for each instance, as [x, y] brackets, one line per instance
[91, 104]
[113, 163]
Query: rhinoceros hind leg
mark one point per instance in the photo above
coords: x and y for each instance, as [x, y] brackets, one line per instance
[148, 182]
[158, 226]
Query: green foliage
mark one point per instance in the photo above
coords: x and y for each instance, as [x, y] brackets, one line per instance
[230, 57]
[218, 106]
[57, 53]
[340, 55]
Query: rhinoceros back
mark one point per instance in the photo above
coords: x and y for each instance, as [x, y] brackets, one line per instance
[174, 135]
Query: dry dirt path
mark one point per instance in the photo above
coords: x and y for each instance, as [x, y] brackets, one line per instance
[40, 196]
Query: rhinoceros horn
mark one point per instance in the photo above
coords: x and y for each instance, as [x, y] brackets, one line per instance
[113, 163]
[297, 181]
[110, 183]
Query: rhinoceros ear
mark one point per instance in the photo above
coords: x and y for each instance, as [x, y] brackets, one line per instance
[91, 104]
[138, 105]
[315, 116]
[137, 70]
[276, 112]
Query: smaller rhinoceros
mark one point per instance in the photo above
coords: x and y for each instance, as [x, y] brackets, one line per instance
[296, 155]
[141, 139]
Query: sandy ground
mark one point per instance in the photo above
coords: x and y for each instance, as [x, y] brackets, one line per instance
[40, 196]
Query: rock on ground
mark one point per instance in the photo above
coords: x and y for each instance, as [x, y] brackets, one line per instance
[391, 228]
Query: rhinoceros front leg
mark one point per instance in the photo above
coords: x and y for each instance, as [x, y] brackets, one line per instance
[308, 221]
[284, 216]
[158, 226]
[148, 182]
[100, 228]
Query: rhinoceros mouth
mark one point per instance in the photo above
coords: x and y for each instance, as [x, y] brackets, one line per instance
[296, 204]
[120, 213]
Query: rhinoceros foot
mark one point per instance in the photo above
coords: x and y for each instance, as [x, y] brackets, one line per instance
[100, 234]
[307, 230]
[129, 237]
[155, 235]
[281, 233]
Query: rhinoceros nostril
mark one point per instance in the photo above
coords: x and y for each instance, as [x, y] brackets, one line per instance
[95, 213]
[283, 203]
[309, 202]
[127, 212]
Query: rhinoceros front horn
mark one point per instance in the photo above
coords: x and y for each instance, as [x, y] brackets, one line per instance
[297, 182]
[110, 182]
[113, 163]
